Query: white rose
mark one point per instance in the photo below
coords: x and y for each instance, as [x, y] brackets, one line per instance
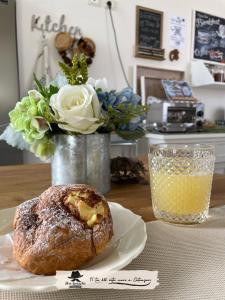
[77, 106]
[98, 84]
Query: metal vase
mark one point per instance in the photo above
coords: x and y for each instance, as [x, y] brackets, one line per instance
[69, 160]
[82, 159]
[98, 162]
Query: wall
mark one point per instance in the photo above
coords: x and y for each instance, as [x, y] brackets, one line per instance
[95, 23]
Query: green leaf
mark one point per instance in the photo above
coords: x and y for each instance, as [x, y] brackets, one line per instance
[42, 90]
[53, 90]
[45, 92]
[65, 69]
[78, 73]
[83, 68]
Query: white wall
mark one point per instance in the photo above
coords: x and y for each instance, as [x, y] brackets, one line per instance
[95, 23]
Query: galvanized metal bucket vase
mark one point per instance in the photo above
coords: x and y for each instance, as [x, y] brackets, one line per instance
[82, 159]
[98, 161]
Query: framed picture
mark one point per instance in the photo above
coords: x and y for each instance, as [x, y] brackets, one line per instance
[208, 37]
[149, 28]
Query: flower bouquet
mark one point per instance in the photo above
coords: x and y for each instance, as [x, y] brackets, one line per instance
[72, 105]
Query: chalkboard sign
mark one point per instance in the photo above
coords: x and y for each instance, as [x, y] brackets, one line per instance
[209, 37]
[149, 24]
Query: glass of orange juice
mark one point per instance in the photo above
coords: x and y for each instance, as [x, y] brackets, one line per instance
[181, 181]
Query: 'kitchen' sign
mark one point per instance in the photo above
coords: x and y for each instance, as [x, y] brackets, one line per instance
[48, 26]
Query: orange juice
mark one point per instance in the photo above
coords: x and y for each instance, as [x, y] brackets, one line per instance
[181, 180]
[181, 194]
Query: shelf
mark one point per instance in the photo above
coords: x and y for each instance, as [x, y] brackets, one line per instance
[213, 85]
[202, 78]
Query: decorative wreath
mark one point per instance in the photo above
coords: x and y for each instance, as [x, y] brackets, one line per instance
[67, 46]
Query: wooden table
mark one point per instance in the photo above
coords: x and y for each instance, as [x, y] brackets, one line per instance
[22, 182]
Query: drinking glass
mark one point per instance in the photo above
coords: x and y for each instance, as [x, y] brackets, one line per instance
[181, 181]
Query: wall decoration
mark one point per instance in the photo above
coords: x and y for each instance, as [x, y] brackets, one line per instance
[177, 32]
[67, 46]
[209, 37]
[177, 90]
[47, 26]
[42, 64]
[69, 39]
[174, 55]
[149, 28]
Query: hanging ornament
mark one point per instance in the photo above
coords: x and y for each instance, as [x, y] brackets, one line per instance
[174, 55]
[42, 66]
[67, 46]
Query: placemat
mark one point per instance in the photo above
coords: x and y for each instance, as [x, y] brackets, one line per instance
[190, 261]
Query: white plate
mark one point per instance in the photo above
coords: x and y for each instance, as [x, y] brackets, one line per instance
[127, 243]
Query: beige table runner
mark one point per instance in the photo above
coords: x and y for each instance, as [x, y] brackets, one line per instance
[190, 261]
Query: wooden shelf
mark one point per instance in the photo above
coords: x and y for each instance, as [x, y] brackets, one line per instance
[142, 55]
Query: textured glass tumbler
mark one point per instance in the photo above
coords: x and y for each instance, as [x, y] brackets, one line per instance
[181, 181]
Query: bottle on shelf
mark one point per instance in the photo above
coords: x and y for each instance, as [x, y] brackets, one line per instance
[218, 74]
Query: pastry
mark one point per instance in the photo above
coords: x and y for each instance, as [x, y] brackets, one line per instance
[62, 229]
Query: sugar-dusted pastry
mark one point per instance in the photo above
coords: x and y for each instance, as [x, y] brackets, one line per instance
[62, 229]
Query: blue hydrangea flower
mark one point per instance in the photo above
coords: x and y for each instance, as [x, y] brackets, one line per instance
[126, 96]
[107, 98]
